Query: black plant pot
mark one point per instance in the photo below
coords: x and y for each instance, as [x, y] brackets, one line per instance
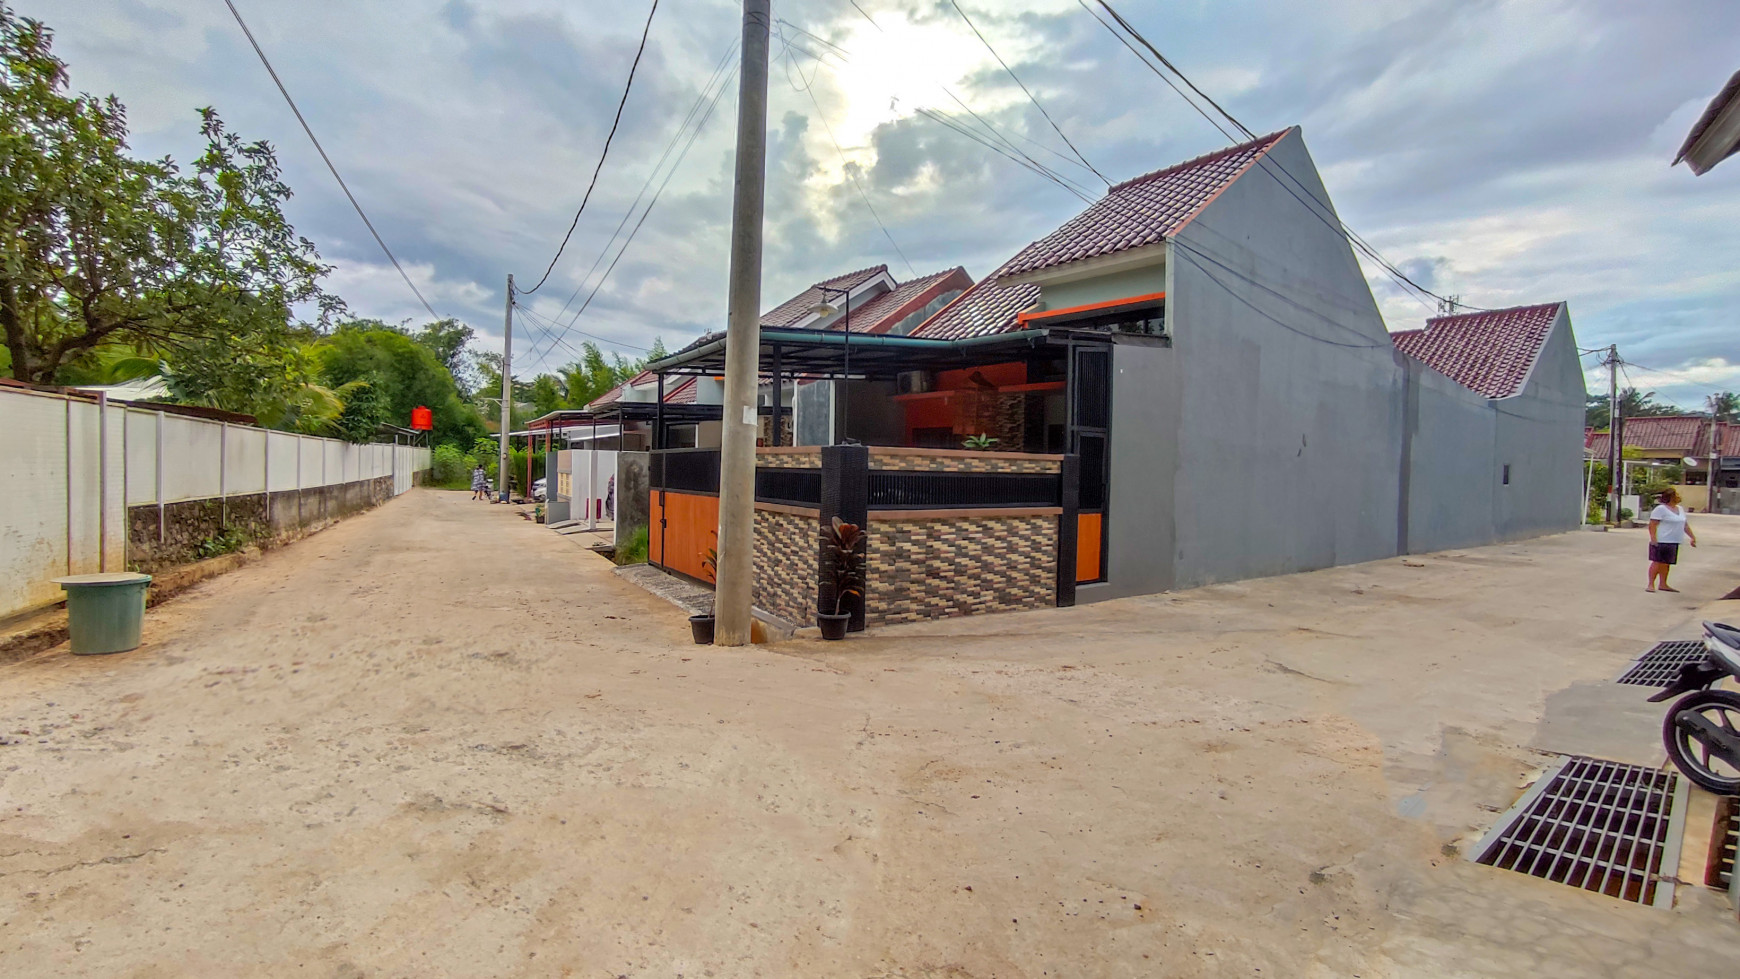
[702, 627]
[833, 626]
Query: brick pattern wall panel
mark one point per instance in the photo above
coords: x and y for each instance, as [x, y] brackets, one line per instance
[785, 565]
[789, 460]
[933, 569]
[989, 462]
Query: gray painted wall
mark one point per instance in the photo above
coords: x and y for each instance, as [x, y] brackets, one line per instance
[1284, 432]
[1289, 434]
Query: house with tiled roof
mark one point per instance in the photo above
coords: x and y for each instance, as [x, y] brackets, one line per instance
[1201, 346]
[1670, 440]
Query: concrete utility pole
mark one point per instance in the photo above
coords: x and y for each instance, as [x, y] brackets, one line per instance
[736, 551]
[507, 395]
[1613, 449]
[1715, 458]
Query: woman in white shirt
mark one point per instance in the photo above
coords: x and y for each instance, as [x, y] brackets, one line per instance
[1668, 529]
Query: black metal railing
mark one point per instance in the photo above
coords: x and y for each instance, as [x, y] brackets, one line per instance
[898, 490]
[684, 470]
[793, 487]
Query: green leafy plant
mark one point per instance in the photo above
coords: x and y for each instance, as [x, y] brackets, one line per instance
[845, 543]
[633, 550]
[223, 542]
[980, 441]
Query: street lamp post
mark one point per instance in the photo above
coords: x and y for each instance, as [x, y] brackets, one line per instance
[825, 309]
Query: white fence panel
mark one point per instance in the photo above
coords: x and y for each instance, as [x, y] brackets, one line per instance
[33, 520]
[244, 460]
[112, 485]
[281, 459]
[141, 442]
[192, 453]
[84, 513]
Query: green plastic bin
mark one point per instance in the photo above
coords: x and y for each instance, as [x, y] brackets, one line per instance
[105, 612]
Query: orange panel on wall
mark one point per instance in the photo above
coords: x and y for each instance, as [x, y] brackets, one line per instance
[691, 523]
[1087, 547]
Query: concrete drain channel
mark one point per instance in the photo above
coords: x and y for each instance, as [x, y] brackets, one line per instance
[1661, 665]
[1723, 840]
[1598, 825]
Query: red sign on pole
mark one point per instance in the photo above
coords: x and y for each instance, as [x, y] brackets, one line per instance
[422, 419]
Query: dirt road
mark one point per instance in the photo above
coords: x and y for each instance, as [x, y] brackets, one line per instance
[437, 740]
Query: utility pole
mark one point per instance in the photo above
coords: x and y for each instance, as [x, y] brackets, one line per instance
[1613, 433]
[507, 395]
[1715, 458]
[736, 551]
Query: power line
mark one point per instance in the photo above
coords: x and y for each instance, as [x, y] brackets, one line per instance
[1332, 220]
[669, 174]
[708, 97]
[327, 159]
[1030, 97]
[626, 88]
[1011, 150]
[809, 89]
[1007, 148]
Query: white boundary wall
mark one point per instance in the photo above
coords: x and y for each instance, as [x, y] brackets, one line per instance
[69, 470]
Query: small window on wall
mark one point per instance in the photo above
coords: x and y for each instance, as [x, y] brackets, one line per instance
[1507, 474]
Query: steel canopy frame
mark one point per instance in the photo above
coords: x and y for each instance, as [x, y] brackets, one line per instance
[799, 352]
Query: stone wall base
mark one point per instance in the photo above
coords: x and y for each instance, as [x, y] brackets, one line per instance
[253, 518]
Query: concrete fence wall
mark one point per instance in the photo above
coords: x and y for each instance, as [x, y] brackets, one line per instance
[86, 486]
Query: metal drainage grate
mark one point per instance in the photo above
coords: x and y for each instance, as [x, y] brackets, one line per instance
[1661, 665]
[1598, 825]
[1723, 840]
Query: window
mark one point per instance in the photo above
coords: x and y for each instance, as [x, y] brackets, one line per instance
[1507, 474]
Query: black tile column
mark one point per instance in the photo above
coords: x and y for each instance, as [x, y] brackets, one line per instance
[845, 494]
[1068, 523]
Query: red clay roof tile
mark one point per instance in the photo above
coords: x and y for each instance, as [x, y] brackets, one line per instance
[1490, 353]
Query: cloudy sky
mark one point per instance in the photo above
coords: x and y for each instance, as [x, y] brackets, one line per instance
[1505, 152]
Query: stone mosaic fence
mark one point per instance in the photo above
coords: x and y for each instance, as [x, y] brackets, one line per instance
[951, 532]
[91, 485]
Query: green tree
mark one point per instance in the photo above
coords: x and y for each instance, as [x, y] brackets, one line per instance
[98, 249]
[448, 339]
[401, 374]
[547, 394]
[1632, 402]
[1726, 405]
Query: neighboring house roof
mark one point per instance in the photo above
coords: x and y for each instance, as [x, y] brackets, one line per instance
[677, 394]
[1716, 135]
[801, 306]
[884, 312]
[1142, 211]
[1490, 353]
[1685, 434]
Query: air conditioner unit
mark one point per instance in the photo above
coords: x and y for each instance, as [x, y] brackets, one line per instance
[914, 382]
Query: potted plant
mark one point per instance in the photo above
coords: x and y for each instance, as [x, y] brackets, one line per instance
[844, 544]
[702, 625]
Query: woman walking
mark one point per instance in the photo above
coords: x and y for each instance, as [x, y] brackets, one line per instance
[1668, 529]
[479, 484]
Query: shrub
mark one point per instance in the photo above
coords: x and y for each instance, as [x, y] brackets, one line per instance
[449, 466]
[633, 550]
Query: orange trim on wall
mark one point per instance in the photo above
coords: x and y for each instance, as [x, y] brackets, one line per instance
[1028, 317]
[1087, 547]
[691, 521]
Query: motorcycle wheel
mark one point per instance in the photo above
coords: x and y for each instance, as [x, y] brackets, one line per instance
[1711, 772]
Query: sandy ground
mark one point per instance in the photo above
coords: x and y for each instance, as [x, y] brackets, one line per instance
[437, 740]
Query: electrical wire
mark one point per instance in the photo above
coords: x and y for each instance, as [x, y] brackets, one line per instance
[327, 159]
[693, 136]
[809, 89]
[1009, 147]
[996, 141]
[1330, 219]
[603, 155]
[1030, 97]
[706, 98]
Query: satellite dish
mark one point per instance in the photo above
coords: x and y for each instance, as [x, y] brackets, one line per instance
[1688, 460]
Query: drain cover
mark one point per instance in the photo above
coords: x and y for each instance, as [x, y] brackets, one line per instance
[1598, 825]
[1661, 665]
[1722, 843]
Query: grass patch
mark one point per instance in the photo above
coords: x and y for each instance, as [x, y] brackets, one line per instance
[633, 550]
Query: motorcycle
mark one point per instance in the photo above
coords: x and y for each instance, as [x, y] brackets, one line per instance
[1702, 729]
